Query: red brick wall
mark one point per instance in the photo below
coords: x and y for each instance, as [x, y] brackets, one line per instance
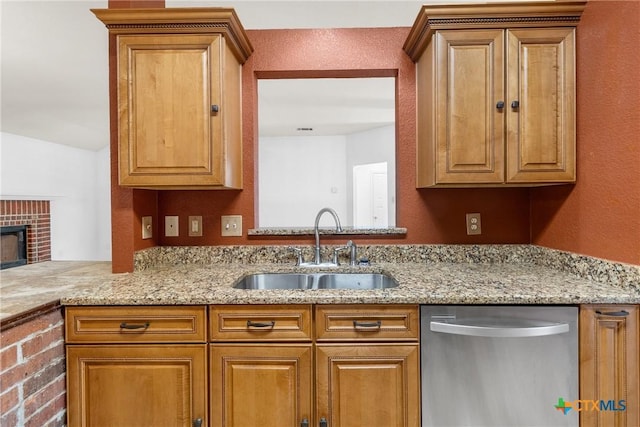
[36, 215]
[32, 373]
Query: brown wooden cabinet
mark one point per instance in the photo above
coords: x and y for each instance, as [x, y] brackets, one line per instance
[261, 365]
[136, 366]
[179, 96]
[496, 93]
[264, 370]
[368, 365]
[610, 363]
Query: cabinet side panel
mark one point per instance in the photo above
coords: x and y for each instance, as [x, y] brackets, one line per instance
[425, 150]
[232, 136]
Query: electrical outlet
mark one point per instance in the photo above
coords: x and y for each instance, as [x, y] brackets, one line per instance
[147, 227]
[171, 226]
[195, 226]
[474, 226]
[231, 225]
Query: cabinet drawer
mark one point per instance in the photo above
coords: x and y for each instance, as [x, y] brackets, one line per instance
[135, 324]
[367, 322]
[260, 323]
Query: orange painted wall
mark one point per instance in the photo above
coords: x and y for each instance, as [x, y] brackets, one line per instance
[600, 216]
[430, 215]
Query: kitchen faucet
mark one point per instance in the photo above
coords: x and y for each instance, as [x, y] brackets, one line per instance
[318, 257]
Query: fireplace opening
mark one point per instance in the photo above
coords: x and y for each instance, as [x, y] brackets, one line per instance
[13, 246]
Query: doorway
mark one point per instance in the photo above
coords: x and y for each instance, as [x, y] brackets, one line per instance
[370, 196]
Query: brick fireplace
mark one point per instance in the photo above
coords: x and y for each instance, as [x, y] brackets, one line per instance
[36, 216]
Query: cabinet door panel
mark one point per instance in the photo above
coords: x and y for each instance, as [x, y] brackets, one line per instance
[136, 385]
[610, 363]
[541, 130]
[373, 385]
[470, 129]
[166, 86]
[260, 385]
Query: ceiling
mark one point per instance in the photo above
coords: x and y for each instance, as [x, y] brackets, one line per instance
[54, 68]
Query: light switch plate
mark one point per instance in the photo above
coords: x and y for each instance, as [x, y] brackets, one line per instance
[231, 225]
[147, 227]
[171, 226]
[195, 226]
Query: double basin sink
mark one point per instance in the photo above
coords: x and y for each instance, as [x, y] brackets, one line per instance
[291, 281]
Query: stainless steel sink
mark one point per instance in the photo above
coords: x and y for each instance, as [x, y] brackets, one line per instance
[361, 281]
[275, 281]
[355, 281]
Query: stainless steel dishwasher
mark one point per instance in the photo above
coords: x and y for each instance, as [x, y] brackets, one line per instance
[498, 365]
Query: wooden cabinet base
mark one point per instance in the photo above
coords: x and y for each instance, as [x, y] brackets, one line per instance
[136, 385]
[610, 364]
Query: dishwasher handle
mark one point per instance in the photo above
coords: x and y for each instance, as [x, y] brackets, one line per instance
[499, 328]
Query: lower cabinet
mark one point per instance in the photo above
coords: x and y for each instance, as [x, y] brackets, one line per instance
[360, 362]
[610, 365]
[297, 366]
[136, 366]
[373, 385]
[137, 385]
[256, 386]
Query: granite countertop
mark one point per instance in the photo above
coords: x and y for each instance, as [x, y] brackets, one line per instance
[442, 283]
[427, 274]
[23, 289]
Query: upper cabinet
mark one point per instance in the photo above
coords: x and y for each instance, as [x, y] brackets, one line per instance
[178, 96]
[496, 93]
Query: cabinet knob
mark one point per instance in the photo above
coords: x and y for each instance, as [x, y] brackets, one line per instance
[500, 105]
[515, 104]
[304, 423]
[215, 109]
[323, 422]
[197, 422]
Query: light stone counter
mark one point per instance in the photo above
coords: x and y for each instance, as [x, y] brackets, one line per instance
[419, 283]
[427, 274]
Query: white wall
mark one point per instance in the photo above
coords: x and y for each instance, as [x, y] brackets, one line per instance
[76, 181]
[298, 176]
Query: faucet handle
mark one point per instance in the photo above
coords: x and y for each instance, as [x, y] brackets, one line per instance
[298, 252]
[336, 251]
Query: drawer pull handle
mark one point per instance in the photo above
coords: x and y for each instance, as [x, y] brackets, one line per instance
[125, 325]
[621, 313]
[377, 324]
[261, 324]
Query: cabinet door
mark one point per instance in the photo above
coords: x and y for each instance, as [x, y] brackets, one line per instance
[260, 385]
[469, 127]
[610, 363]
[541, 123]
[136, 385]
[168, 133]
[373, 385]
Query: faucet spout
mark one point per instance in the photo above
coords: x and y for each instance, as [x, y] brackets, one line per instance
[333, 213]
